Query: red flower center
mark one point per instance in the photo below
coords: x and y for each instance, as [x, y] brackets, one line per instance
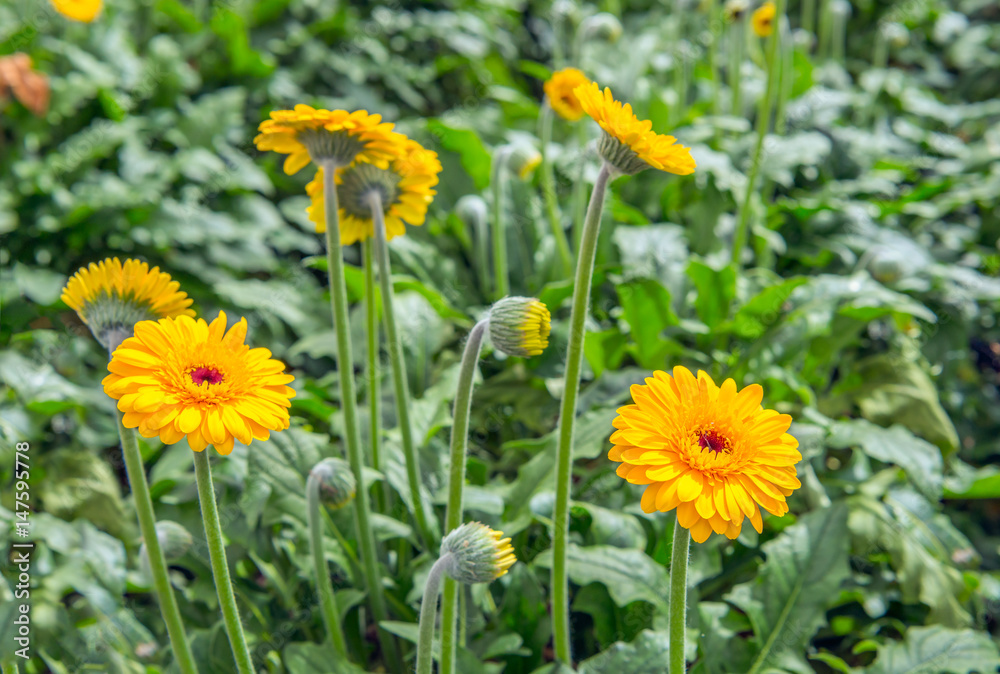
[200, 375]
[713, 441]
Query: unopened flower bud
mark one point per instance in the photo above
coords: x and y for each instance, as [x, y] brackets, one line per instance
[601, 26]
[895, 34]
[523, 160]
[472, 211]
[520, 326]
[337, 485]
[734, 10]
[478, 553]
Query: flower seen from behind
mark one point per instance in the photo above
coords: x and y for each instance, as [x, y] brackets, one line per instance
[763, 19]
[561, 91]
[78, 10]
[710, 452]
[404, 184]
[178, 378]
[628, 143]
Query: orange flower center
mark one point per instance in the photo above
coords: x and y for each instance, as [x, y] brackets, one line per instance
[201, 375]
[714, 441]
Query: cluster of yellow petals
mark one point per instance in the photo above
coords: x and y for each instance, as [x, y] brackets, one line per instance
[763, 19]
[504, 553]
[417, 170]
[709, 451]
[178, 378]
[281, 132]
[132, 281]
[78, 10]
[536, 328]
[561, 92]
[659, 151]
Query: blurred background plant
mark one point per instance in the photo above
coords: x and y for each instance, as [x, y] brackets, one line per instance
[867, 308]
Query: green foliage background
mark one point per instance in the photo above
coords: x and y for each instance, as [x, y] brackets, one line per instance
[869, 314]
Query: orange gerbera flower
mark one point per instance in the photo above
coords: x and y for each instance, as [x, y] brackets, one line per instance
[709, 451]
[179, 377]
[78, 10]
[763, 19]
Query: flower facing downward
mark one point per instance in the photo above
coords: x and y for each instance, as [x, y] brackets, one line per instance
[404, 184]
[337, 486]
[326, 135]
[709, 451]
[78, 10]
[560, 88]
[763, 19]
[111, 297]
[523, 160]
[520, 326]
[179, 377]
[479, 553]
[628, 144]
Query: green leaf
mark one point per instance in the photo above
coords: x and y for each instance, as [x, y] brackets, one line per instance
[764, 309]
[805, 566]
[646, 308]
[920, 459]
[647, 654]
[938, 650]
[985, 486]
[466, 142]
[629, 575]
[306, 658]
[716, 290]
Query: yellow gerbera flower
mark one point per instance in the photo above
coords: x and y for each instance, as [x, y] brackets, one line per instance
[307, 133]
[560, 89]
[628, 144]
[180, 377]
[110, 296]
[709, 451]
[404, 183]
[763, 19]
[78, 10]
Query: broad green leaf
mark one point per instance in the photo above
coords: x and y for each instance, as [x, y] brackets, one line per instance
[716, 290]
[938, 650]
[307, 658]
[764, 309]
[629, 575]
[987, 485]
[646, 308]
[466, 142]
[647, 654]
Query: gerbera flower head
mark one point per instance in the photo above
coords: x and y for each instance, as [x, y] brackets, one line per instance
[520, 326]
[338, 136]
[404, 184]
[763, 19]
[629, 144]
[178, 378]
[709, 451]
[337, 486]
[561, 91]
[111, 297]
[734, 10]
[479, 554]
[78, 10]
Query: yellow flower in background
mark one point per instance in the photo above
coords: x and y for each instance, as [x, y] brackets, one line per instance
[763, 19]
[479, 554]
[110, 296]
[560, 89]
[306, 133]
[78, 10]
[404, 182]
[520, 326]
[709, 451]
[628, 144]
[178, 378]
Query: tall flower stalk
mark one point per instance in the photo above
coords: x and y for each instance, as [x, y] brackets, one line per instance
[563, 253]
[372, 374]
[498, 182]
[678, 598]
[627, 146]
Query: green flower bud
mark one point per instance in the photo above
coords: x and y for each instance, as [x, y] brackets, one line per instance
[735, 9]
[479, 554]
[472, 211]
[520, 326]
[337, 486]
[523, 160]
[601, 26]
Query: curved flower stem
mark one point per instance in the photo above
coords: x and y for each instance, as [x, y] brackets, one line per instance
[456, 483]
[220, 567]
[157, 564]
[372, 374]
[428, 613]
[549, 192]
[678, 597]
[763, 124]
[399, 372]
[327, 599]
[348, 399]
[567, 413]
[498, 179]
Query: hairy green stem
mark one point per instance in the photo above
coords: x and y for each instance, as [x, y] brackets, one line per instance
[763, 124]
[327, 599]
[220, 567]
[349, 403]
[456, 484]
[498, 179]
[737, 36]
[678, 597]
[549, 192]
[428, 613]
[157, 564]
[372, 374]
[402, 391]
[712, 13]
[567, 413]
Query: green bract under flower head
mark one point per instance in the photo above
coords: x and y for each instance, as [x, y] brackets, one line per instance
[520, 326]
[479, 554]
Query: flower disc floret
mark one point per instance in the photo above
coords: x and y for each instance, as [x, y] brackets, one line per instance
[710, 452]
[628, 143]
[179, 378]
